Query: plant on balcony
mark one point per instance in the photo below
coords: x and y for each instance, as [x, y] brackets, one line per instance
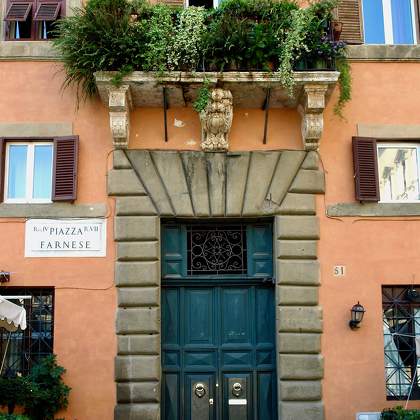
[399, 413]
[240, 35]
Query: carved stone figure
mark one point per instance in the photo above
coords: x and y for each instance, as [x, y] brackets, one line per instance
[216, 121]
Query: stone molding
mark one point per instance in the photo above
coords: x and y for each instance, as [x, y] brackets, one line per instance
[145, 89]
[45, 211]
[373, 210]
[366, 52]
[404, 132]
[151, 184]
[36, 129]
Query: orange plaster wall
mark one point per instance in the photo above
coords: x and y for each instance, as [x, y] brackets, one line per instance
[85, 298]
[375, 251]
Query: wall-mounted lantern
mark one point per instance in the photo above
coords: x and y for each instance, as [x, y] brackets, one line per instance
[357, 312]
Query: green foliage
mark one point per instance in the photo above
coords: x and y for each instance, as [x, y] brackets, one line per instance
[203, 97]
[262, 35]
[399, 413]
[51, 394]
[344, 84]
[13, 417]
[14, 391]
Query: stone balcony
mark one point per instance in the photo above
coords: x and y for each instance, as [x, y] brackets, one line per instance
[311, 93]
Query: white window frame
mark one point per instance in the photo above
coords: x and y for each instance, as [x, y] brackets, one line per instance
[30, 161]
[388, 28]
[398, 145]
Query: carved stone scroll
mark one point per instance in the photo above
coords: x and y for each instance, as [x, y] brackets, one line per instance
[312, 108]
[216, 121]
[119, 115]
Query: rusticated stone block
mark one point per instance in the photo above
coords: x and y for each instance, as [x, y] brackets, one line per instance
[298, 272]
[124, 182]
[139, 344]
[137, 412]
[137, 251]
[137, 368]
[299, 343]
[308, 181]
[138, 296]
[296, 249]
[136, 228]
[300, 390]
[135, 206]
[313, 410]
[120, 160]
[138, 320]
[299, 318]
[311, 161]
[298, 204]
[297, 227]
[297, 295]
[300, 366]
[137, 273]
[138, 392]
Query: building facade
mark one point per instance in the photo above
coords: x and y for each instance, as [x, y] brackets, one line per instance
[194, 267]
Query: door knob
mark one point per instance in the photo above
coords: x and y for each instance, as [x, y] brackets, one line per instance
[236, 389]
[200, 390]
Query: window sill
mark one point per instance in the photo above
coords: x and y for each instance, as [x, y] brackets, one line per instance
[373, 209]
[27, 50]
[384, 52]
[53, 210]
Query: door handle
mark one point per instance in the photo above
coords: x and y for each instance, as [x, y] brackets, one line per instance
[236, 389]
[200, 390]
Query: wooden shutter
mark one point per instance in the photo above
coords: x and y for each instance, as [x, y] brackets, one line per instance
[18, 11]
[65, 168]
[365, 161]
[2, 166]
[47, 11]
[260, 250]
[349, 13]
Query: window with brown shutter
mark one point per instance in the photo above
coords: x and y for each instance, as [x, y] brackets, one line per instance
[47, 11]
[65, 168]
[18, 11]
[365, 169]
[349, 13]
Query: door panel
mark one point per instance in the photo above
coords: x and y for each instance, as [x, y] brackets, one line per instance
[217, 337]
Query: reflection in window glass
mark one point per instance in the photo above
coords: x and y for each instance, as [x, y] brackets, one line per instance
[42, 171]
[398, 173]
[373, 22]
[16, 187]
[402, 21]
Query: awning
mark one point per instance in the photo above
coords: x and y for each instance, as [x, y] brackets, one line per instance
[12, 316]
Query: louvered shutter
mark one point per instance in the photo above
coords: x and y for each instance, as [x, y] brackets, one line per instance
[65, 168]
[2, 166]
[47, 11]
[260, 250]
[365, 163]
[349, 13]
[18, 11]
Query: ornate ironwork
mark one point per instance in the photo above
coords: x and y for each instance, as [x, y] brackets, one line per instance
[27, 347]
[401, 315]
[216, 249]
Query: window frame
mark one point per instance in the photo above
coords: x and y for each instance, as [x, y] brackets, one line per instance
[35, 25]
[215, 3]
[413, 145]
[388, 26]
[26, 336]
[30, 162]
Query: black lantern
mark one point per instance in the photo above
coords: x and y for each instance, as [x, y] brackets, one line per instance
[357, 313]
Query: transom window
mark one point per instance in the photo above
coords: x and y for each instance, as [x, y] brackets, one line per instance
[27, 347]
[32, 19]
[398, 167]
[28, 175]
[389, 21]
[401, 323]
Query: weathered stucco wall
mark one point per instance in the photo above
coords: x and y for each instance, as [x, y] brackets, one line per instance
[85, 301]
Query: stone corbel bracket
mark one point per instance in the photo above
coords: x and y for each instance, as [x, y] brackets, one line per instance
[120, 104]
[311, 108]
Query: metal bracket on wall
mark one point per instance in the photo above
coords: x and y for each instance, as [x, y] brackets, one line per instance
[266, 107]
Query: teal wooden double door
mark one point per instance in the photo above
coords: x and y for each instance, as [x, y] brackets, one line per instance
[218, 323]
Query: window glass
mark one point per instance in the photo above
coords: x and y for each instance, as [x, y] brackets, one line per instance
[398, 173]
[16, 187]
[402, 26]
[42, 171]
[373, 22]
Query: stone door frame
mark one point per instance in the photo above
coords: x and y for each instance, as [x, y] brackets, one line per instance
[150, 185]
